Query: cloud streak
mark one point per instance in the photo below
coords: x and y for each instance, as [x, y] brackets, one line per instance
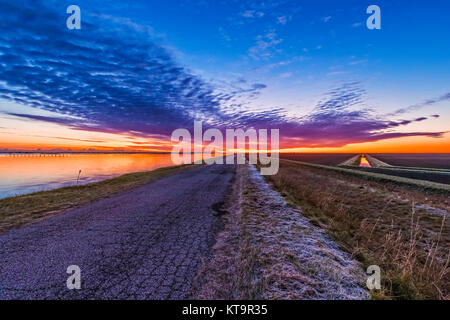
[426, 103]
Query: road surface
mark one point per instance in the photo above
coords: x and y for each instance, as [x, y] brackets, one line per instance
[146, 243]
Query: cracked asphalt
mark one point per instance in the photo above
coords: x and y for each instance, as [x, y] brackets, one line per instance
[145, 243]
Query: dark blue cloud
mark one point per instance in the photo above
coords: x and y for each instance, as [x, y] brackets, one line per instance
[110, 74]
[113, 76]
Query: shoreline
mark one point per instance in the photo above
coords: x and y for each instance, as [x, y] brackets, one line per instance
[21, 210]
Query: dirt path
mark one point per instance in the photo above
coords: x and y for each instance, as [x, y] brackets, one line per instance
[147, 243]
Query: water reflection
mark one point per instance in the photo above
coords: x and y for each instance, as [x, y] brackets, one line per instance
[364, 162]
[26, 173]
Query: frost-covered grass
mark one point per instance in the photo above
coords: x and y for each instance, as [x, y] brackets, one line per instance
[403, 227]
[268, 250]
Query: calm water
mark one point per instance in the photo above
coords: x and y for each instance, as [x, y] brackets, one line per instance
[21, 174]
[364, 162]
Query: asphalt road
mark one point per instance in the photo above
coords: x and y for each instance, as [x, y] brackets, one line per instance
[146, 243]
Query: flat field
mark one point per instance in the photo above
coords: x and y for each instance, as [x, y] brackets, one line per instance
[421, 160]
[329, 159]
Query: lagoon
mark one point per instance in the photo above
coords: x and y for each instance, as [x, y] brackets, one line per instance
[22, 173]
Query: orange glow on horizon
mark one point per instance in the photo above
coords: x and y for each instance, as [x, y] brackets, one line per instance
[395, 145]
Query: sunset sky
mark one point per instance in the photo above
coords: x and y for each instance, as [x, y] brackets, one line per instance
[137, 70]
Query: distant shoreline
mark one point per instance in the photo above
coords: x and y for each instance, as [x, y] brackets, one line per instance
[79, 152]
[168, 152]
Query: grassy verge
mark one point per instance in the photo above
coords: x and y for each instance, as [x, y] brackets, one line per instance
[393, 225]
[267, 250]
[375, 163]
[419, 169]
[18, 211]
[354, 161]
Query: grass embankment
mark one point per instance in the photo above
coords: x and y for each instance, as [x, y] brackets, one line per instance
[353, 161]
[20, 210]
[399, 227]
[374, 162]
[381, 177]
[440, 177]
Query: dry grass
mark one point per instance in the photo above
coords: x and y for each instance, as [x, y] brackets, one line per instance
[380, 223]
[21, 210]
